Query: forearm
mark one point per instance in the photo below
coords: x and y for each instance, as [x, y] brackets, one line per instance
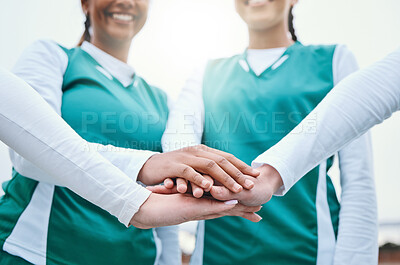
[24, 115]
[359, 102]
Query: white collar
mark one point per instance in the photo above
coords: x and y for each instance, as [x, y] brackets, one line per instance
[261, 59]
[123, 72]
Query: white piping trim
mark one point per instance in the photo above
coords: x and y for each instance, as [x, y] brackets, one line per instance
[326, 234]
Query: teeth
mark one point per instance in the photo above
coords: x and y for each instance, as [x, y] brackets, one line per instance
[122, 17]
[256, 2]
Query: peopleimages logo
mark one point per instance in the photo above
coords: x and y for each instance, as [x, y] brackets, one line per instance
[121, 122]
[280, 123]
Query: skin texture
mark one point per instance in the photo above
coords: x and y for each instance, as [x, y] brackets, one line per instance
[114, 36]
[265, 186]
[165, 210]
[192, 162]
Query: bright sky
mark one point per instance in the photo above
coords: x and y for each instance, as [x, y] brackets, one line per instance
[181, 34]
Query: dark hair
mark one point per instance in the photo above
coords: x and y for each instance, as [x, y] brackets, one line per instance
[291, 27]
[86, 34]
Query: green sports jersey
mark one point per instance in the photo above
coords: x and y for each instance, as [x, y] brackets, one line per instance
[245, 115]
[100, 109]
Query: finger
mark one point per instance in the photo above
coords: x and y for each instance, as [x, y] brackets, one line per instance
[222, 193]
[239, 164]
[188, 173]
[160, 189]
[251, 216]
[247, 215]
[169, 183]
[181, 185]
[199, 208]
[197, 191]
[229, 168]
[211, 180]
[248, 209]
[211, 168]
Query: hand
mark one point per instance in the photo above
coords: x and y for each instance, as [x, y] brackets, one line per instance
[190, 163]
[265, 186]
[183, 186]
[164, 210]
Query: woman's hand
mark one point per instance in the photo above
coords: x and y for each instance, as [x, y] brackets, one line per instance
[191, 163]
[265, 186]
[164, 210]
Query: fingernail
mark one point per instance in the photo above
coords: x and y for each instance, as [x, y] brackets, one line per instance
[205, 184]
[249, 183]
[231, 202]
[237, 187]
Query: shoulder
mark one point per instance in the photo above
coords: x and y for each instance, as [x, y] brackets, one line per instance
[46, 47]
[42, 54]
[316, 50]
[220, 62]
[343, 53]
[344, 63]
[221, 65]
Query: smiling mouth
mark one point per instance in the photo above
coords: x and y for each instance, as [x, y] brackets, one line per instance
[253, 3]
[122, 17]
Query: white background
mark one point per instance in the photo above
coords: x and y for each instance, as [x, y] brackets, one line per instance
[180, 34]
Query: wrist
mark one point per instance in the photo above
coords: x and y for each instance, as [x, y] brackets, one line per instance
[139, 220]
[274, 178]
[145, 175]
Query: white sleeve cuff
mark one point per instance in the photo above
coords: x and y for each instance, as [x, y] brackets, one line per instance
[275, 162]
[137, 163]
[138, 196]
[129, 161]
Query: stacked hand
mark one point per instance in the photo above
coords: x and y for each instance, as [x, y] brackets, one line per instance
[197, 170]
[265, 185]
[194, 165]
[165, 210]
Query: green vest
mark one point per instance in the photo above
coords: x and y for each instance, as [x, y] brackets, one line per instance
[100, 109]
[247, 114]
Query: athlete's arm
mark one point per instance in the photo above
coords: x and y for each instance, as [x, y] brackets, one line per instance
[359, 102]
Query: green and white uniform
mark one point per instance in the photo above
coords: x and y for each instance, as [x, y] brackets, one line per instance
[245, 113]
[47, 224]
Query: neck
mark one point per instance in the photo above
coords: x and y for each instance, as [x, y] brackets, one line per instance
[274, 37]
[119, 50]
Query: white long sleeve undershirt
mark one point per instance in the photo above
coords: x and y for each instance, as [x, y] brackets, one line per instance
[62, 153]
[356, 104]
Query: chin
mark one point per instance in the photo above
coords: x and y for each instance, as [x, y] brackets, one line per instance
[122, 36]
[259, 24]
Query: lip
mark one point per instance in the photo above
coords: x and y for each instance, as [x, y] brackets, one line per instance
[121, 17]
[256, 3]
